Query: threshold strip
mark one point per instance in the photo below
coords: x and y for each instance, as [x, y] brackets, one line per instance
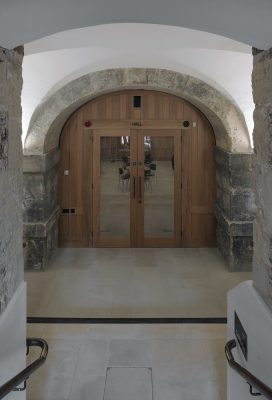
[74, 320]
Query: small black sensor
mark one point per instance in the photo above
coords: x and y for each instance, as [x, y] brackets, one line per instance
[186, 124]
[137, 101]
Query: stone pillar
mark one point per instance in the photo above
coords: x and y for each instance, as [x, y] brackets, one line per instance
[11, 244]
[235, 208]
[41, 210]
[12, 287]
[262, 94]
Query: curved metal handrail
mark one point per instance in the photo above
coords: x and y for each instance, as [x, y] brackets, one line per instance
[244, 373]
[25, 374]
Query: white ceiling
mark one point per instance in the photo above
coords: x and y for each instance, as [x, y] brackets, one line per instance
[248, 21]
[55, 61]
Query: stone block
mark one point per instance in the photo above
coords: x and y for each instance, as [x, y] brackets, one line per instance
[235, 242]
[262, 78]
[40, 195]
[234, 169]
[40, 206]
[242, 253]
[40, 163]
[223, 241]
[236, 204]
[40, 243]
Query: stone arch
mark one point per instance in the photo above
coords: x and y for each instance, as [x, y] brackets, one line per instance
[234, 205]
[48, 119]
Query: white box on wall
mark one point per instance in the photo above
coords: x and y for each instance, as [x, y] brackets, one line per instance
[256, 319]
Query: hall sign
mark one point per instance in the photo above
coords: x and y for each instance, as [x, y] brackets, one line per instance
[3, 138]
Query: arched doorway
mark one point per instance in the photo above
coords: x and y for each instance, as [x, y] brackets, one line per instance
[137, 169]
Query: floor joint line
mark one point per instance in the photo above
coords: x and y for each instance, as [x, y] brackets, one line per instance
[112, 320]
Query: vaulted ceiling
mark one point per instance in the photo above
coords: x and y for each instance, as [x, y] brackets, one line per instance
[54, 61]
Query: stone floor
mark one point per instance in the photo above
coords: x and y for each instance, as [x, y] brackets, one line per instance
[132, 283]
[106, 362]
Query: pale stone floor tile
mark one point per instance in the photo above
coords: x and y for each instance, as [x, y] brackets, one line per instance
[57, 331]
[82, 331]
[173, 389]
[115, 332]
[182, 331]
[93, 357]
[203, 331]
[135, 353]
[87, 387]
[174, 282]
[129, 384]
[182, 368]
[54, 380]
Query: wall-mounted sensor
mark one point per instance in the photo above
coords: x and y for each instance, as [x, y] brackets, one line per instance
[186, 124]
[137, 101]
[88, 124]
[194, 124]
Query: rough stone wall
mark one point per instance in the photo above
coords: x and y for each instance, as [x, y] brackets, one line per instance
[235, 208]
[48, 119]
[262, 94]
[40, 209]
[11, 244]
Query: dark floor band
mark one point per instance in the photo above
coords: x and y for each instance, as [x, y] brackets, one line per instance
[69, 320]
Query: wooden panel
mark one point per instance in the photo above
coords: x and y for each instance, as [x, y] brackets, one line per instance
[166, 107]
[198, 176]
[74, 188]
[87, 186]
[148, 112]
[64, 183]
[76, 160]
[76, 229]
[123, 106]
[63, 230]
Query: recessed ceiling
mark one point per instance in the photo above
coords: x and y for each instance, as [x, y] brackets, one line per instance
[247, 21]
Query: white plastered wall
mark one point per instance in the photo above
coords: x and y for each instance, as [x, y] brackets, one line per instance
[53, 62]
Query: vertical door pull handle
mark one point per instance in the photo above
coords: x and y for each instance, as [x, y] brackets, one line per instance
[134, 188]
[140, 188]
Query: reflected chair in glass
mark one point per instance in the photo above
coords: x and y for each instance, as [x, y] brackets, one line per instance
[124, 178]
[147, 182]
[153, 171]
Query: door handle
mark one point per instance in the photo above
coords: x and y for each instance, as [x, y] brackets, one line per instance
[134, 188]
[140, 188]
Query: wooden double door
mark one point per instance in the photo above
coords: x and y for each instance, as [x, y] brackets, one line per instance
[137, 176]
[137, 188]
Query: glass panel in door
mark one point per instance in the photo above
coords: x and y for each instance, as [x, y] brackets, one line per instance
[160, 187]
[112, 187]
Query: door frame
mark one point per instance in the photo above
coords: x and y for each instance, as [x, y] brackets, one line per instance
[136, 134]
